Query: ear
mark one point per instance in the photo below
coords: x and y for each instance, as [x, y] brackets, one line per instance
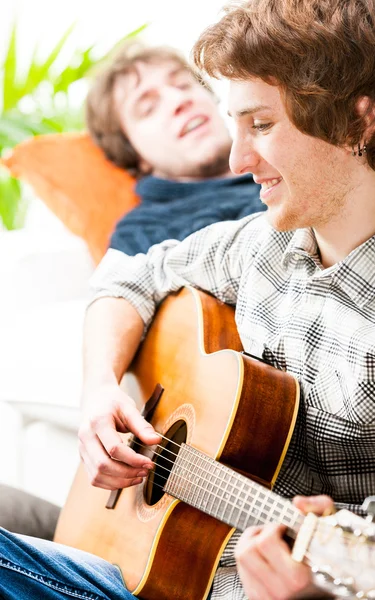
[145, 167]
[366, 108]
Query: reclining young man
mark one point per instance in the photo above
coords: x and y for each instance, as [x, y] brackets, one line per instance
[151, 114]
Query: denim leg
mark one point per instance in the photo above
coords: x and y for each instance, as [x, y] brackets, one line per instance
[35, 569]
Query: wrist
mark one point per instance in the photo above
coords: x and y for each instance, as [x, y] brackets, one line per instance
[96, 381]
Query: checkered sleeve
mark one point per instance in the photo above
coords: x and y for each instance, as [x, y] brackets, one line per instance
[210, 259]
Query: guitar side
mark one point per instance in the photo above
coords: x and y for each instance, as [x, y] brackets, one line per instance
[231, 407]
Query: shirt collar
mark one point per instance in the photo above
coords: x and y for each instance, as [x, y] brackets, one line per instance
[303, 244]
[355, 275]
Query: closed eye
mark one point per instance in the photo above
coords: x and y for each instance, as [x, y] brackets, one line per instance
[262, 126]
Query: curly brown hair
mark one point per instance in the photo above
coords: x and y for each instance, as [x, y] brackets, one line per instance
[102, 118]
[320, 52]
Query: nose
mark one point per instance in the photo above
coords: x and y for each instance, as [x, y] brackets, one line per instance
[243, 158]
[176, 99]
[182, 105]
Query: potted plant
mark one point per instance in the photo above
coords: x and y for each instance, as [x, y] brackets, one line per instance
[38, 101]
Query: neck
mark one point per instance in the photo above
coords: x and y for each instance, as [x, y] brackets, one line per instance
[193, 178]
[353, 225]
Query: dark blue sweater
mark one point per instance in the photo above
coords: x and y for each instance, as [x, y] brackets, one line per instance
[173, 210]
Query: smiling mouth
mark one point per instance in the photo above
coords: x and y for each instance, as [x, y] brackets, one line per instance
[192, 125]
[267, 188]
[267, 185]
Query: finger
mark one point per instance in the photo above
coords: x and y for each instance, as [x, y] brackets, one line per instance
[132, 419]
[117, 448]
[101, 465]
[275, 551]
[255, 567]
[319, 505]
[262, 581]
[253, 588]
[108, 482]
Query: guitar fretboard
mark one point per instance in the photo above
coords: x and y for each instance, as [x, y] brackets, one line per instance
[217, 490]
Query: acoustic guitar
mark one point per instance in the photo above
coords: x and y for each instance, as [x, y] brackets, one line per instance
[226, 419]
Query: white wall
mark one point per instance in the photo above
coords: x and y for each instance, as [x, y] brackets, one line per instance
[173, 22]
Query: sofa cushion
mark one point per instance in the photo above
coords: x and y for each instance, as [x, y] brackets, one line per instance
[71, 175]
[21, 512]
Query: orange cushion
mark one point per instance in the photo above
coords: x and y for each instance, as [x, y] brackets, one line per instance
[75, 180]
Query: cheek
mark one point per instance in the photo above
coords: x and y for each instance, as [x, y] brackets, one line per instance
[147, 140]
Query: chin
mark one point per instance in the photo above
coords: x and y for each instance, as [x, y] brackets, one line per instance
[283, 221]
[215, 165]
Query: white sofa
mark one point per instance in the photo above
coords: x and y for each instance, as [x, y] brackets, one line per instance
[44, 274]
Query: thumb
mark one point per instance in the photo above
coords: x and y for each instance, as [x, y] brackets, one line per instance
[138, 425]
[319, 505]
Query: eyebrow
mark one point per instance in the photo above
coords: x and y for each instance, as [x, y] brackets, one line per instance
[250, 110]
[179, 69]
[171, 76]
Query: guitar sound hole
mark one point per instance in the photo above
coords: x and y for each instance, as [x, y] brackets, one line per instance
[164, 459]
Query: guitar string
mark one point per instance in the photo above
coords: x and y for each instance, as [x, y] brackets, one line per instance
[262, 520]
[230, 504]
[321, 526]
[218, 480]
[272, 497]
[203, 456]
[308, 556]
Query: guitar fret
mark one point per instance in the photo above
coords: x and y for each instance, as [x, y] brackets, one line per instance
[205, 484]
[238, 503]
[232, 497]
[223, 502]
[209, 492]
[216, 494]
[193, 490]
[257, 510]
[201, 482]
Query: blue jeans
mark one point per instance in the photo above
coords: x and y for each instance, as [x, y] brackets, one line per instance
[34, 569]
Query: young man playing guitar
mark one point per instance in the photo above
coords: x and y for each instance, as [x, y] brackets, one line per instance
[302, 93]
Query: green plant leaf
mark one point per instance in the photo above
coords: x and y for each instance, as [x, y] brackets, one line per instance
[12, 203]
[39, 71]
[12, 132]
[39, 112]
[120, 42]
[82, 62]
[9, 71]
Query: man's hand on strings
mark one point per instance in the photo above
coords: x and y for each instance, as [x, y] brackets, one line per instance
[111, 464]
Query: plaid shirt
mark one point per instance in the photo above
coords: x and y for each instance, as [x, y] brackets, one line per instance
[318, 324]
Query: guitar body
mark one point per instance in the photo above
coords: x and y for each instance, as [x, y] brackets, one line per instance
[230, 406]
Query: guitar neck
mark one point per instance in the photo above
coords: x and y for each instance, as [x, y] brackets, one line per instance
[217, 490]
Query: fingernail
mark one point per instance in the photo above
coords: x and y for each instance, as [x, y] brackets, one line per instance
[142, 473]
[147, 466]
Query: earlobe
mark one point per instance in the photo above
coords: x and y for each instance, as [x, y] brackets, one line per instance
[366, 109]
[145, 167]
